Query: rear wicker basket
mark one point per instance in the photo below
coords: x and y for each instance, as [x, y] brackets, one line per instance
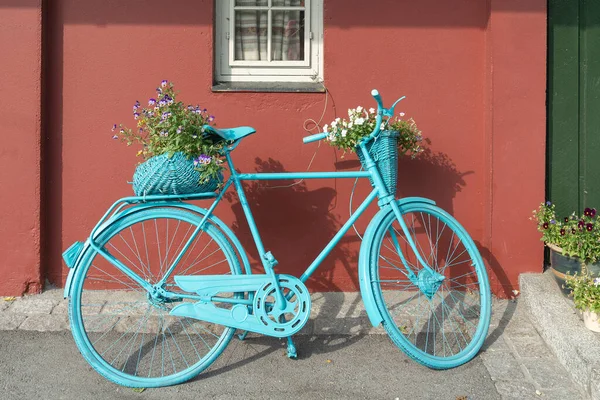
[170, 175]
[384, 151]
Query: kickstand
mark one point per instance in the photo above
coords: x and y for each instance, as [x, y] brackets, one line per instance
[291, 348]
[242, 335]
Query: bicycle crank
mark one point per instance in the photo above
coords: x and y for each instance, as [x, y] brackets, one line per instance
[264, 316]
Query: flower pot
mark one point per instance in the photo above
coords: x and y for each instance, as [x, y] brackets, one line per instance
[164, 175]
[590, 319]
[563, 265]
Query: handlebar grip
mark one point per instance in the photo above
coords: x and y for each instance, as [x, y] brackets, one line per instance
[377, 97]
[315, 137]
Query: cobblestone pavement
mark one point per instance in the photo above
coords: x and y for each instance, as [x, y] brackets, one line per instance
[518, 361]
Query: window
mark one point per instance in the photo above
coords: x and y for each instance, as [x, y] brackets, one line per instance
[269, 41]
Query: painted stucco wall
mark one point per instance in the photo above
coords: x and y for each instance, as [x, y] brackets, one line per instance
[20, 101]
[473, 73]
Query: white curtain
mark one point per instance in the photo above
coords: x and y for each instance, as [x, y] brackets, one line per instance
[287, 42]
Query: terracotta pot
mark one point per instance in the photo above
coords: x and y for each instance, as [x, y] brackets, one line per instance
[590, 319]
[561, 265]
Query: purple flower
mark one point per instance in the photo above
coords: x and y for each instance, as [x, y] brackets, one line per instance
[136, 115]
[211, 118]
[164, 83]
[179, 129]
[122, 131]
[114, 127]
[190, 108]
[169, 100]
[589, 227]
[553, 222]
[548, 203]
[580, 224]
[164, 133]
[115, 137]
[158, 90]
[164, 116]
[204, 110]
[545, 225]
[162, 102]
[202, 159]
[136, 105]
[151, 102]
[566, 219]
[562, 232]
[197, 111]
[590, 212]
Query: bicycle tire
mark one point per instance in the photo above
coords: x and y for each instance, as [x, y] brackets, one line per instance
[416, 324]
[107, 307]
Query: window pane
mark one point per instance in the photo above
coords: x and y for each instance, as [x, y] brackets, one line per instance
[287, 35]
[251, 3]
[251, 35]
[289, 3]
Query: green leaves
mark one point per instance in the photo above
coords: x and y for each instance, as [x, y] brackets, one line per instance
[168, 126]
[577, 236]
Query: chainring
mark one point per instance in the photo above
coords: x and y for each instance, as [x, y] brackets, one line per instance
[293, 316]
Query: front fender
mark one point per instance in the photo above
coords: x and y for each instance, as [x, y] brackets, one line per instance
[73, 260]
[366, 249]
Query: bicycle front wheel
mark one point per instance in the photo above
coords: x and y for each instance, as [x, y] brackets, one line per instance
[442, 327]
[126, 334]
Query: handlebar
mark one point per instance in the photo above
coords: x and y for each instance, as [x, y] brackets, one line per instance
[381, 112]
[314, 138]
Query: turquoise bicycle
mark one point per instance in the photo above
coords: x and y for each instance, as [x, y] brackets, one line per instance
[160, 286]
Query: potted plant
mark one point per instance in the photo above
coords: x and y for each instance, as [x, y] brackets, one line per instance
[397, 136]
[586, 296]
[180, 157]
[574, 241]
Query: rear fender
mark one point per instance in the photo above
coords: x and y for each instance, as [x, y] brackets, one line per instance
[74, 254]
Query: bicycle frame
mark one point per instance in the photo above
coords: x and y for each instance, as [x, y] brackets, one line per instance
[380, 191]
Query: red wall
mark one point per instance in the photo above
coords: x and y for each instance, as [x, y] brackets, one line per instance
[475, 86]
[20, 94]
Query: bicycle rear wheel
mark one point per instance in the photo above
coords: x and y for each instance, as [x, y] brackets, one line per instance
[441, 328]
[128, 335]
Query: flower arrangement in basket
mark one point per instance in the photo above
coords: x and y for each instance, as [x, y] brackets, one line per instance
[397, 136]
[180, 157]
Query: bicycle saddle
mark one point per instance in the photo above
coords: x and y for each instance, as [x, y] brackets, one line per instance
[231, 133]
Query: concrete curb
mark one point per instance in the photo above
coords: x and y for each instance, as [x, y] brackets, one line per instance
[559, 324]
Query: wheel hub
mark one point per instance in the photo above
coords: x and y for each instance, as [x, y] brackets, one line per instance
[429, 282]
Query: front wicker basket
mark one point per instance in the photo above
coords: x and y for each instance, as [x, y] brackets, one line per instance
[170, 175]
[384, 151]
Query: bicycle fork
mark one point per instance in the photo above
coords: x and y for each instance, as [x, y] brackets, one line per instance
[426, 279]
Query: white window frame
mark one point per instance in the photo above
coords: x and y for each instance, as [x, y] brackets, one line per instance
[229, 70]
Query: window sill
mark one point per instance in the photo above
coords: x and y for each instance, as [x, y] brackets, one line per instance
[270, 87]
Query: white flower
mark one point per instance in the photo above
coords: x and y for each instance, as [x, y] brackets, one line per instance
[596, 281]
[332, 138]
[382, 127]
[359, 109]
[333, 124]
[325, 127]
[350, 125]
[344, 132]
[401, 114]
[338, 119]
[359, 121]
[371, 110]
[350, 112]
